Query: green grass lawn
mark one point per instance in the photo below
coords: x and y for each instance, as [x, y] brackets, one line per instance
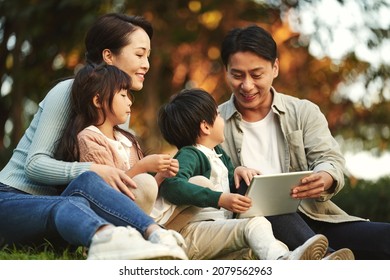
[42, 252]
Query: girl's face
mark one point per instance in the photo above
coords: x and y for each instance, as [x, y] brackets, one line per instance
[134, 58]
[121, 104]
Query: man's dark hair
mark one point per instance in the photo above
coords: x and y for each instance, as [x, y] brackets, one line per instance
[179, 120]
[249, 39]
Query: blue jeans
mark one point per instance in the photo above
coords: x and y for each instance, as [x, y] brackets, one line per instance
[86, 204]
[368, 240]
[291, 229]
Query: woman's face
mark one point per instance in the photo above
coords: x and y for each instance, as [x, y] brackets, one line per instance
[134, 58]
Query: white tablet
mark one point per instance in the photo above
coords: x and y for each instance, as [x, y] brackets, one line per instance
[271, 194]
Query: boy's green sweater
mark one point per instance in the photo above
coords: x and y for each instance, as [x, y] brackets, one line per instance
[193, 162]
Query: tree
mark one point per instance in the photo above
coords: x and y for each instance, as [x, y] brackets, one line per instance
[354, 36]
[38, 44]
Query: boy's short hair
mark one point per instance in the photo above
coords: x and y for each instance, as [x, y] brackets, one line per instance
[253, 39]
[179, 120]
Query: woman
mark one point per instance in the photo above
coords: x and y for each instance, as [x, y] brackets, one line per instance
[96, 209]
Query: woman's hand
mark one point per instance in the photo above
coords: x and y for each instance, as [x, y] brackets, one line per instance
[116, 178]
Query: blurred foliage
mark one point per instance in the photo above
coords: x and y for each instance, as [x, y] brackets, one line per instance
[366, 199]
[42, 41]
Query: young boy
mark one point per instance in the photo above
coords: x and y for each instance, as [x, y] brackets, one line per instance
[191, 122]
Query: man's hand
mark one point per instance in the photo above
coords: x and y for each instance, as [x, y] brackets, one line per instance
[313, 185]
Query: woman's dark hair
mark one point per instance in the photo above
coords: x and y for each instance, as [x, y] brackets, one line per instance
[103, 81]
[111, 31]
[249, 39]
[179, 120]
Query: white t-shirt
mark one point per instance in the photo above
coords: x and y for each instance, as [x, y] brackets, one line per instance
[260, 145]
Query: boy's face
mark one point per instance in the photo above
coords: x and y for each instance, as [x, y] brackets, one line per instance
[250, 77]
[216, 133]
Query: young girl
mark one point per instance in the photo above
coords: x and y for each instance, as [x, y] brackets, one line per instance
[101, 100]
[191, 122]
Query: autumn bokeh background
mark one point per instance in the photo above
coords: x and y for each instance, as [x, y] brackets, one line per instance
[332, 52]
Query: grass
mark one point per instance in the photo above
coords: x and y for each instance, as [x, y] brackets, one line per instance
[45, 251]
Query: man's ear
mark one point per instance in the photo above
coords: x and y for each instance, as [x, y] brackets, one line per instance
[96, 101]
[107, 56]
[204, 128]
[275, 68]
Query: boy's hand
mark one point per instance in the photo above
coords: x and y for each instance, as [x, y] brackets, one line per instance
[234, 202]
[244, 173]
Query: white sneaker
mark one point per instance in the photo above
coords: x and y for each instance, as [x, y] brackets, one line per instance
[342, 254]
[171, 239]
[126, 243]
[313, 249]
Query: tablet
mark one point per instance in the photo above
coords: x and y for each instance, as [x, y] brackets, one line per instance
[271, 194]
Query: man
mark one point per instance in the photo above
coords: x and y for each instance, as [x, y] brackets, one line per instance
[273, 133]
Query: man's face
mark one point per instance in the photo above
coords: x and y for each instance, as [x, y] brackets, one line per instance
[250, 77]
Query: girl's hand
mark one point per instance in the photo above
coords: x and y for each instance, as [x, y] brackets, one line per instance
[244, 173]
[170, 172]
[155, 163]
[172, 169]
[116, 178]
